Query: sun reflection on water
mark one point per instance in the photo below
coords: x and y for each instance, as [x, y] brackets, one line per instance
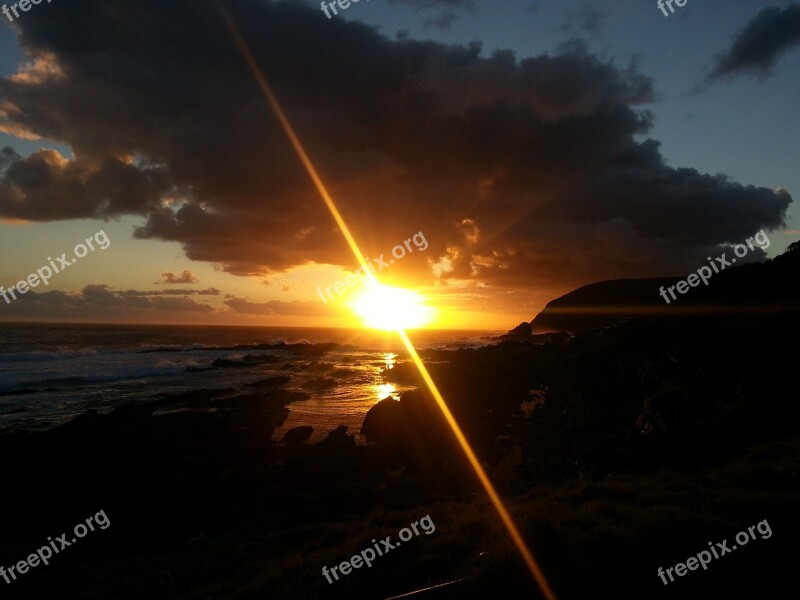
[385, 389]
[382, 390]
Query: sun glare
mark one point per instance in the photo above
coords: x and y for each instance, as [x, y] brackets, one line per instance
[382, 390]
[384, 307]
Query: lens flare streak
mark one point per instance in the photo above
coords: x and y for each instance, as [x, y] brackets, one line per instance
[505, 517]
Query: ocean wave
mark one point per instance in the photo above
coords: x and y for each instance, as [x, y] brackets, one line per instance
[59, 381]
[47, 355]
[270, 345]
[463, 343]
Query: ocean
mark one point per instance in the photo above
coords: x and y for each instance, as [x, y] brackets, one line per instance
[50, 373]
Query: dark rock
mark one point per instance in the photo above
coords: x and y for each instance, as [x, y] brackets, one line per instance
[311, 349]
[522, 332]
[384, 421]
[338, 438]
[297, 435]
[411, 425]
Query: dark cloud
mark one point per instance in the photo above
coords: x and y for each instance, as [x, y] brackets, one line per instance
[100, 302]
[529, 172]
[591, 19]
[242, 306]
[588, 19]
[443, 21]
[436, 3]
[761, 43]
[45, 186]
[276, 307]
[185, 276]
[171, 292]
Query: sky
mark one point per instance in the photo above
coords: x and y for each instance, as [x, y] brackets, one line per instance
[535, 147]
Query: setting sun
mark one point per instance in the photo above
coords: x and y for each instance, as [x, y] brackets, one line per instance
[390, 308]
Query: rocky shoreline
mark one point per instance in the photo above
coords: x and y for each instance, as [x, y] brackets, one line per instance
[618, 449]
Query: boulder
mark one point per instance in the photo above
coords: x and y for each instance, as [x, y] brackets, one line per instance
[297, 435]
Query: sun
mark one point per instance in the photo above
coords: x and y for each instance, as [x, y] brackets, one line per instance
[384, 307]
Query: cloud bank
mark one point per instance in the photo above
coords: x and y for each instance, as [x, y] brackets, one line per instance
[185, 276]
[526, 173]
[756, 49]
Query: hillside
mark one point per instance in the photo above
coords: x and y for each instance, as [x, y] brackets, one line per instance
[774, 283]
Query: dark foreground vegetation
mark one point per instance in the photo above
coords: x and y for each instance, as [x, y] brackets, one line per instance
[618, 450]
